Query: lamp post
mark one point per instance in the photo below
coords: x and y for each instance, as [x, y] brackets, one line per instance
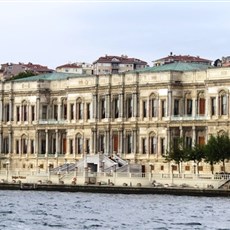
[7, 170]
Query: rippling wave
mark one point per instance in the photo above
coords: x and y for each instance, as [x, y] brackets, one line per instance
[31, 210]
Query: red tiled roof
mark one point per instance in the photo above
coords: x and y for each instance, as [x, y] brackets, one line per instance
[183, 58]
[122, 60]
[37, 67]
[73, 65]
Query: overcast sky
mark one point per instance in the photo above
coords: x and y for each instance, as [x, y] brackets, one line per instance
[53, 33]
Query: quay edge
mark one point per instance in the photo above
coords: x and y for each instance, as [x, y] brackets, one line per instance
[116, 189]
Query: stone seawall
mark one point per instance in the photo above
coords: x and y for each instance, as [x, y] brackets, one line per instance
[116, 189]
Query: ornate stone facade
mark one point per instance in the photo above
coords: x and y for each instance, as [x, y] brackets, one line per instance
[45, 123]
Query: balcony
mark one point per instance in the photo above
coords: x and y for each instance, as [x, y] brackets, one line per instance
[51, 122]
[188, 117]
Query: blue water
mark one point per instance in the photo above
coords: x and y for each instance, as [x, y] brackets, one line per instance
[30, 210]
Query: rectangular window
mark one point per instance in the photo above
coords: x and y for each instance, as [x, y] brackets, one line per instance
[44, 112]
[32, 113]
[144, 108]
[17, 146]
[24, 112]
[24, 146]
[18, 113]
[87, 146]
[163, 108]
[187, 168]
[200, 168]
[144, 147]
[6, 145]
[65, 111]
[201, 140]
[32, 146]
[129, 107]
[55, 112]
[71, 111]
[162, 145]
[153, 145]
[188, 143]
[162, 167]
[79, 145]
[176, 107]
[116, 107]
[189, 106]
[202, 106]
[101, 143]
[79, 106]
[7, 107]
[129, 143]
[153, 104]
[88, 111]
[223, 105]
[102, 108]
[213, 106]
[71, 146]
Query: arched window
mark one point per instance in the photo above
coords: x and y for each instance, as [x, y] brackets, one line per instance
[201, 104]
[79, 109]
[54, 109]
[24, 111]
[79, 141]
[115, 106]
[152, 143]
[188, 104]
[64, 108]
[24, 144]
[153, 106]
[223, 103]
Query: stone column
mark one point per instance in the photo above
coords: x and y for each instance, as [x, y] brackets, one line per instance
[36, 143]
[11, 110]
[107, 106]
[194, 104]
[134, 101]
[38, 109]
[95, 141]
[10, 142]
[134, 138]
[1, 109]
[0, 141]
[193, 135]
[169, 103]
[168, 139]
[95, 106]
[120, 138]
[181, 132]
[59, 111]
[47, 142]
[57, 142]
[121, 105]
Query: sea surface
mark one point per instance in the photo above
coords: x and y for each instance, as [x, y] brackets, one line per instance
[30, 210]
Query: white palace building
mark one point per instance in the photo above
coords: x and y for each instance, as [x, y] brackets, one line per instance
[52, 119]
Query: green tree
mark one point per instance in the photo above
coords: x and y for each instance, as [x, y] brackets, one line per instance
[196, 154]
[27, 73]
[217, 150]
[176, 152]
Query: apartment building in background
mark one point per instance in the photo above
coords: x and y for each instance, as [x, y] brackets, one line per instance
[110, 64]
[9, 70]
[76, 67]
[172, 58]
[50, 119]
